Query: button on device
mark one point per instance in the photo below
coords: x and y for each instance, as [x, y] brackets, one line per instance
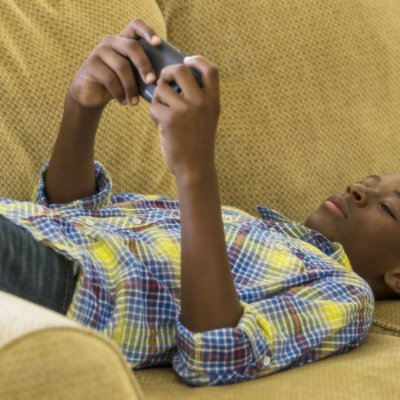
[137, 221]
[266, 361]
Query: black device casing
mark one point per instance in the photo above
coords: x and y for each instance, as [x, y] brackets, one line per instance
[161, 56]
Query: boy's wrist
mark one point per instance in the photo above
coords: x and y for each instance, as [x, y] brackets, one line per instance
[71, 101]
[186, 177]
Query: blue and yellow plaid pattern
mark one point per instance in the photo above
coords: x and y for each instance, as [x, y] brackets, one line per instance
[302, 302]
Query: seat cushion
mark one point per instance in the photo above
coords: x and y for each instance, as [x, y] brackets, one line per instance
[366, 372]
[387, 318]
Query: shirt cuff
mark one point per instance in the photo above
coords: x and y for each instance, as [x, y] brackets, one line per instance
[222, 356]
[100, 199]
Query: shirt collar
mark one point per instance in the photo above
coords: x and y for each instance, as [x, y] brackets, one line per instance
[268, 214]
[285, 225]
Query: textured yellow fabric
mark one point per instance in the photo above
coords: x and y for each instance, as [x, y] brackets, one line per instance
[42, 45]
[367, 373]
[387, 318]
[35, 318]
[44, 356]
[65, 364]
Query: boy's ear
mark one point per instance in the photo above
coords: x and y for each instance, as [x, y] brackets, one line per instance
[392, 279]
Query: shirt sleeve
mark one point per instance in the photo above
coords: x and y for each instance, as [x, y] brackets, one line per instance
[100, 199]
[296, 327]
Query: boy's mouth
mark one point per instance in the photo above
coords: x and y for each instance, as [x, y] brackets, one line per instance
[337, 205]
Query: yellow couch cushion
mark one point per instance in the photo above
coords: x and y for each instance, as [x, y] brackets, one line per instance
[44, 356]
[387, 318]
[42, 45]
[366, 373]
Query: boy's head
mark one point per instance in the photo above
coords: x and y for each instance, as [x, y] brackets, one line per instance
[365, 219]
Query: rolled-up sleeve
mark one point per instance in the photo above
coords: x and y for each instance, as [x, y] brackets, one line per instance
[296, 327]
[100, 199]
[222, 356]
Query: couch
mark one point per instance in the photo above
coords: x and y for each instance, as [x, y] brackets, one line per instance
[310, 102]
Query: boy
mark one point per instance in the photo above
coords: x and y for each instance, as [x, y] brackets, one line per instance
[223, 296]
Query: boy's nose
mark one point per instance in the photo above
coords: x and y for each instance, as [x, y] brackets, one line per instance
[357, 194]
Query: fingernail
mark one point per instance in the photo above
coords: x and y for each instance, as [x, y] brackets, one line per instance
[134, 100]
[155, 40]
[124, 102]
[189, 58]
[150, 77]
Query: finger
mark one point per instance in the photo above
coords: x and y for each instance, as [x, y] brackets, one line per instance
[165, 95]
[181, 74]
[159, 112]
[107, 77]
[138, 28]
[121, 66]
[132, 50]
[209, 74]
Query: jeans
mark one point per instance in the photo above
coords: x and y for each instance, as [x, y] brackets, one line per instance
[32, 271]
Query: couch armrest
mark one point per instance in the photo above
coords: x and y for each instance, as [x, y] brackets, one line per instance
[43, 355]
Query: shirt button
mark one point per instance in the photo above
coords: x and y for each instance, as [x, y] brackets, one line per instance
[137, 221]
[229, 219]
[89, 222]
[266, 361]
[279, 246]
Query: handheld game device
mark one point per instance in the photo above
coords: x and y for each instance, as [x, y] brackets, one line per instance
[161, 56]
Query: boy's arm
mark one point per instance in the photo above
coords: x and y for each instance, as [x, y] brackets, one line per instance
[208, 294]
[107, 74]
[188, 126]
[70, 174]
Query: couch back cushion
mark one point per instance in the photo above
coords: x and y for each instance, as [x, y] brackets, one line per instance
[42, 45]
[310, 94]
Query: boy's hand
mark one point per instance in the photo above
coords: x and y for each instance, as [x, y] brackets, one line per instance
[188, 122]
[107, 73]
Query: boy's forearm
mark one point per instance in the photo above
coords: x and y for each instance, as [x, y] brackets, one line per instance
[208, 294]
[71, 174]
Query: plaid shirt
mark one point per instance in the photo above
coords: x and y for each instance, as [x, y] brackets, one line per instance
[301, 300]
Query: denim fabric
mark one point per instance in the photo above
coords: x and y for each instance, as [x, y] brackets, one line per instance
[32, 271]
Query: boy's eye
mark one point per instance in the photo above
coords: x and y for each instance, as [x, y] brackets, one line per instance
[387, 210]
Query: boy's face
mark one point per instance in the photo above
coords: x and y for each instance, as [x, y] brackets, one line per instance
[365, 219]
